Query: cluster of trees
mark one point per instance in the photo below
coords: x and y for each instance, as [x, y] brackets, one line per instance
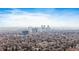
[39, 42]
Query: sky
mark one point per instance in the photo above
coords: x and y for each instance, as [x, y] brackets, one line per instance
[35, 17]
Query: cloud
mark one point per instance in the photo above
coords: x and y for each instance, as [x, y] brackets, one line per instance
[20, 18]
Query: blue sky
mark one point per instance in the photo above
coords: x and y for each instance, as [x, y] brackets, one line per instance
[23, 17]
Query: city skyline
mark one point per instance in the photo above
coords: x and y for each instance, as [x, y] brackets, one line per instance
[24, 17]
